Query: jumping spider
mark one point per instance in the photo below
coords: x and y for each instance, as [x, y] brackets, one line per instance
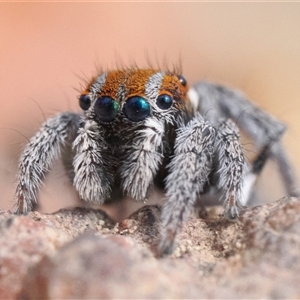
[144, 127]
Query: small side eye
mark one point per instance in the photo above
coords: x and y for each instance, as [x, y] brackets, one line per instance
[164, 101]
[106, 109]
[136, 108]
[182, 80]
[84, 102]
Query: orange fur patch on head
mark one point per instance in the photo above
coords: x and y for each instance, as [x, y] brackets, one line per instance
[113, 80]
[136, 81]
[125, 83]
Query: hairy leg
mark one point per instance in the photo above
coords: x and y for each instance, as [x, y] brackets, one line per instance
[93, 164]
[286, 169]
[38, 156]
[216, 101]
[189, 171]
[143, 156]
[230, 167]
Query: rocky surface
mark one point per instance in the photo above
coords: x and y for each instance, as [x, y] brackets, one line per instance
[82, 253]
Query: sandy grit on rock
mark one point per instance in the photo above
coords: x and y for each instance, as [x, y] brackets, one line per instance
[82, 253]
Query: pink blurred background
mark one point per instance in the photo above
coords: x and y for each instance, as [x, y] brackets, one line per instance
[45, 46]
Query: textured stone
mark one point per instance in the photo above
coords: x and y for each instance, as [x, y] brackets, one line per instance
[91, 267]
[81, 253]
[76, 221]
[23, 242]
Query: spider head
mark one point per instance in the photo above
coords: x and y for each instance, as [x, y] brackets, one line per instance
[131, 96]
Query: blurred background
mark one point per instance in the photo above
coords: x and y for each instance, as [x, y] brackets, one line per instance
[46, 47]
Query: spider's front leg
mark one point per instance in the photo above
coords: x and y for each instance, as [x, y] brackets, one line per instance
[39, 154]
[93, 164]
[143, 156]
[189, 171]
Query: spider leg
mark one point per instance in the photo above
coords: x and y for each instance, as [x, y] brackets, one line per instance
[189, 171]
[38, 156]
[93, 164]
[286, 169]
[216, 101]
[230, 167]
[143, 156]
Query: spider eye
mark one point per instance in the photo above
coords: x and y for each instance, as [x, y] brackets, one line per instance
[136, 108]
[106, 109]
[164, 101]
[84, 102]
[182, 80]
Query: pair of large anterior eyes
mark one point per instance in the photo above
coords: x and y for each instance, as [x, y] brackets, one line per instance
[136, 108]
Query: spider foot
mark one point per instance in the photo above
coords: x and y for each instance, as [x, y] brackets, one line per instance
[167, 243]
[232, 208]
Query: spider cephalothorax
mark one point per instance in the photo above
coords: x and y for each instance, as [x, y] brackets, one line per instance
[131, 111]
[142, 127]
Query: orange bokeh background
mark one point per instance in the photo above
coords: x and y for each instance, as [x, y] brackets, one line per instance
[45, 46]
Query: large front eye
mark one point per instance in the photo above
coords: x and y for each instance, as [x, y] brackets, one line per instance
[106, 109]
[136, 108]
[164, 101]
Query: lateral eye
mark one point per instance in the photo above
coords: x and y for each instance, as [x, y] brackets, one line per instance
[136, 108]
[106, 109]
[84, 102]
[164, 101]
[182, 80]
